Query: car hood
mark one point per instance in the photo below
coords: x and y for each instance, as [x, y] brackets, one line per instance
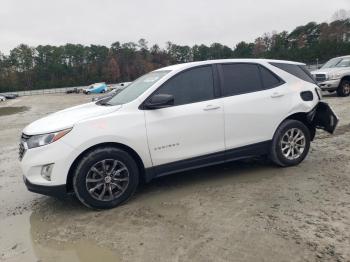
[67, 118]
[328, 71]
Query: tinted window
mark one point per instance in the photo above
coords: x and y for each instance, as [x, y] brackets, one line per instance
[269, 79]
[240, 79]
[296, 70]
[191, 86]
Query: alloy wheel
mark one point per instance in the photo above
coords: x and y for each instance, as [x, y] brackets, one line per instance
[293, 143]
[107, 180]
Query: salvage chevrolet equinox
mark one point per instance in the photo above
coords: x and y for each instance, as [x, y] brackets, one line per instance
[173, 119]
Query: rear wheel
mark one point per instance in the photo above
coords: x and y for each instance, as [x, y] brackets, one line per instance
[290, 144]
[344, 88]
[105, 178]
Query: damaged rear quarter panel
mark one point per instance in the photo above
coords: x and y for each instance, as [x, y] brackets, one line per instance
[323, 117]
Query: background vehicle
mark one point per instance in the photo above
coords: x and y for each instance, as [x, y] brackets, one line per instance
[335, 76]
[2, 98]
[96, 89]
[73, 91]
[9, 96]
[110, 94]
[120, 85]
[174, 119]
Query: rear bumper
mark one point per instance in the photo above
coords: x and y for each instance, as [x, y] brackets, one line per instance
[59, 191]
[323, 117]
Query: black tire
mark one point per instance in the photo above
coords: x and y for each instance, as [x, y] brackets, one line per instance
[344, 88]
[277, 155]
[83, 172]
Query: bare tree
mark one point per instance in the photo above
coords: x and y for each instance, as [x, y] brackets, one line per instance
[341, 14]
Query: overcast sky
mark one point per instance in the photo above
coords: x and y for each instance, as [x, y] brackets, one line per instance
[189, 22]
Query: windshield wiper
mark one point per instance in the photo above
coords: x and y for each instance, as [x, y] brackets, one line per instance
[103, 103]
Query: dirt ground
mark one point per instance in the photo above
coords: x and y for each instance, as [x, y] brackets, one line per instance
[242, 211]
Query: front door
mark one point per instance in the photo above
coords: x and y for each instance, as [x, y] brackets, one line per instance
[194, 126]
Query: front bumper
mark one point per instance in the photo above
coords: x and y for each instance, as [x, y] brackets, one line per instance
[330, 85]
[54, 191]
[60, 155]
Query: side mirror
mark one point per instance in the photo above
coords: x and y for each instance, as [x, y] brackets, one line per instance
[159, 101]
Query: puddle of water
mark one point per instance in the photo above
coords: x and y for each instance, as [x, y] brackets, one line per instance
[10, 110]
[18, 243]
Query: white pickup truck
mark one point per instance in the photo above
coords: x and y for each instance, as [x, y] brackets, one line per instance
[335, 76]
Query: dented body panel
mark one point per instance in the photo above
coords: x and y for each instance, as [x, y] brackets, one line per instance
[323, 117]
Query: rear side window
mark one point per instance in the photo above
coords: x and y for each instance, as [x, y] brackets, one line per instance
[240, 79]
[297, 70]
[191, 86]
[269, 79]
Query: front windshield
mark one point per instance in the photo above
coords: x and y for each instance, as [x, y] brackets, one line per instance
[136, 88]
[337, 62]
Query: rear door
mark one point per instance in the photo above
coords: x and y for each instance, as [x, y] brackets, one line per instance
[194, 126]
[255, 100]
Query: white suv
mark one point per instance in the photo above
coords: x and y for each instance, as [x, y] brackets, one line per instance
[174, 119]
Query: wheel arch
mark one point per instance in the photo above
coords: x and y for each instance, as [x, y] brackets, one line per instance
[302, 117]
[132, 152]
[346, 77]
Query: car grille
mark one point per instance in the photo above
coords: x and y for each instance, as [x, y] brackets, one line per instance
[22, 148]
[320, 77]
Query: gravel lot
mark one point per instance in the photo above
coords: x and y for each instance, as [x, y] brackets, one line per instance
[242, 211]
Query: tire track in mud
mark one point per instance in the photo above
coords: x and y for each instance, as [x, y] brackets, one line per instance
[318, 218]
[220, 214]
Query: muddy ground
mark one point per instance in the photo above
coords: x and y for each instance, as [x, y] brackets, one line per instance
[243, 211]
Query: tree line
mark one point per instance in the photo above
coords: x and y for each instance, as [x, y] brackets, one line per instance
[47, 66]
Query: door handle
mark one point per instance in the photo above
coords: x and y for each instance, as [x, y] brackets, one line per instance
[277, 94]
[211, 107]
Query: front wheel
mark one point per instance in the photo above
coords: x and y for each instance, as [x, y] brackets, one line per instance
[105, 178]
[344, 88]
[290, 144]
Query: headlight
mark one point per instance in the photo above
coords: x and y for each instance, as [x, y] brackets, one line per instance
[334, 76]
[42, 140]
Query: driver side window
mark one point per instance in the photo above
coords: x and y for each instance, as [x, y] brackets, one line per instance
[193, 85]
